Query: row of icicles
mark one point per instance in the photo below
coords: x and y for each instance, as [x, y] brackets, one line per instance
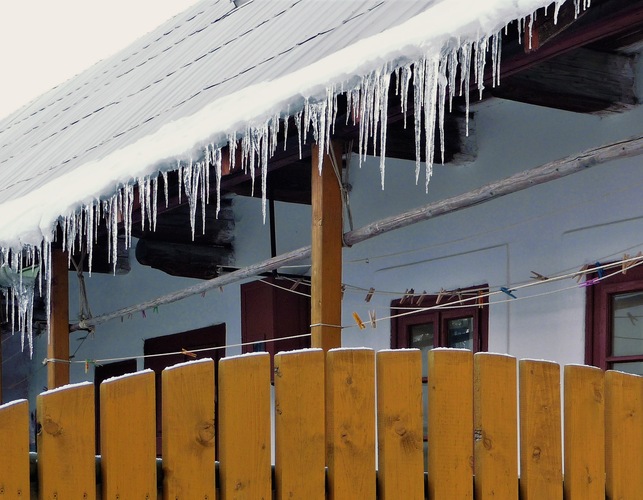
[434, 80]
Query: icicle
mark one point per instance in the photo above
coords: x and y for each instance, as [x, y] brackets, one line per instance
[262, 150]
[418, 102]
[385, 81]
[206, 181]
[480, 58]
[191, 177]
[165, 188]
[286, 120]
[496, 48]
[155, 200]
[442, 95]
[232, 150]
[299, 131]
[89, 216]
[179, 168]
[216, 160]
[465, 69]
[430, 91]
[406, 80]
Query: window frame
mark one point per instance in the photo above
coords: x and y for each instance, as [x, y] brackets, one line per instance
[598, 316]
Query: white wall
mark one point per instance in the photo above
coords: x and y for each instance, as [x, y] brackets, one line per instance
[591, 216]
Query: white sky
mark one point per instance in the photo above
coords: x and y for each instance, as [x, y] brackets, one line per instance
[45, 42]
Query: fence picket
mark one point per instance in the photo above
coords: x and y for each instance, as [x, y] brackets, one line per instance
[14, 451]
[540, 431]
[128, 436]
[624, 435]
[399, 425]
[584, 433]
[188, 431]
[300, 440]
[496, 426]
[67, 442]
[244, 427]
[350, 423]
[450, 421]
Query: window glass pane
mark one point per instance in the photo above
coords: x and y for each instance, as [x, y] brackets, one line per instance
[422, 339]
[627, 324]
[460, 333]
[635, 367]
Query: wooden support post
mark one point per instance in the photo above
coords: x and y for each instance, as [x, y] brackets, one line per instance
[326, 253]
[58, 341]
[0, 369]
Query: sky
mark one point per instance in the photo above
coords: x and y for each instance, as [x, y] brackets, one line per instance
[46, 42]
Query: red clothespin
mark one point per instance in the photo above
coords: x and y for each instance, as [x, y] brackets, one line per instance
[369, 295]
[188, 353]
[86, 365]
[359, 321]
[372, 318]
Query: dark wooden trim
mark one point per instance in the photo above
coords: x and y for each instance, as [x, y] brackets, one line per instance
[58, 341]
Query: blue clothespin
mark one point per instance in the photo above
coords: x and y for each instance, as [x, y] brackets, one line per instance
[506, 290]
[599, 269]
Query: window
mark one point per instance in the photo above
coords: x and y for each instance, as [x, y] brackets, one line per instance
[614, 322]
[454, 325]
[271, 310]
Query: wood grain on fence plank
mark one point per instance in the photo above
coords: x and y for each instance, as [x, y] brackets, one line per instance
[67, 443]
[450, 422]
[540, 431]
[496, 426]
[188, 431]
[584, 433]
[14, 452]
[128, 436]
[350, 423]
[623, 435]
[399, 425]
[300, 439]
[244, 427]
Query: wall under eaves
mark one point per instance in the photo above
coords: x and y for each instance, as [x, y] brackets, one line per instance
[594, 215]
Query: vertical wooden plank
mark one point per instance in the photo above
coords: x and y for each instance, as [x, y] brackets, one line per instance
[399, 425]
[326, 252]
[495, 404]
[300, 439]
[623, 435]
[14, 450]
[244, 427]
[188, 431]
[58, 340]
[584, 433]
[540, 429]
[350, 423]
[67, 442]
[128, 436]
[450, 423]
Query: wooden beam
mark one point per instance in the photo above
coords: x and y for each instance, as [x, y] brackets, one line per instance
[584, 81]
[326, 252]
[58, 341]
[627, 148]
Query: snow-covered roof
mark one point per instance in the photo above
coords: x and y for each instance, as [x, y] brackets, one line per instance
[212, 73]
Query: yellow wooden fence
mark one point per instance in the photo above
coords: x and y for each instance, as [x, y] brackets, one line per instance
[489, 416]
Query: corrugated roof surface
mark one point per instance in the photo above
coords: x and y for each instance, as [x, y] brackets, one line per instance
[200, 55]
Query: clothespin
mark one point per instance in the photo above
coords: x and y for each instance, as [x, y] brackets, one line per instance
[480, 299]
[538, 276]
[187, 353]
[421, 298]
[129, 315]
[373, 318]
[202, 295]
[581, 273]
[599, 269]
[590, 282]
[143, 313]
[408, 295]
[295, 285]
[359, 321]
[155, 309]
[369, 295]
[625, 265]
[86, 365]
[508, 291]
[343, 290]
[220, 289]
[440, 295]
